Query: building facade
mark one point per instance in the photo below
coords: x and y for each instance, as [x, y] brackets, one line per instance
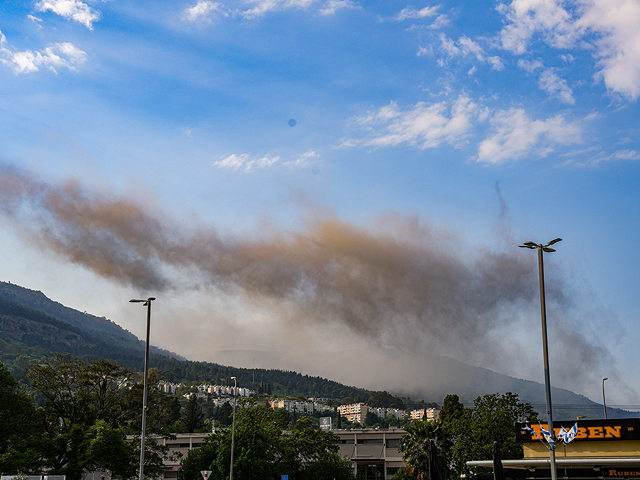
[355, 412]
[427, 414]
[601, 450]
[373, 453]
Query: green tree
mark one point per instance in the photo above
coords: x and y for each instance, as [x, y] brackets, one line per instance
[19, 428]
[200, 459]
[384, 400]
[87, 409]
[224, 414]
[265, 447]
[492, 418]
[105, 448]
[451, 409]
[465, 434]
[193, 417]
[414, 447]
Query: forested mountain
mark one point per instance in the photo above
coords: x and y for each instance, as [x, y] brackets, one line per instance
[33, 326]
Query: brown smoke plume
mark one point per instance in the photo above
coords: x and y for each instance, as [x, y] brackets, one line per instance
[402, 282]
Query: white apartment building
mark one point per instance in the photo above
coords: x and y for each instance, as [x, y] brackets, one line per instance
[299, 407]
[383, 412]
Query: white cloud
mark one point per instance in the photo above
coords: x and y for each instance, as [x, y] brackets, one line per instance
[527, 18]
[333, 5]
[549, 80]
[530, 66]
[55, 56]
[609, 27]
[618, 45]
[71, 9]
[516, 135]
[203, 9]
[304, 160]
[466, 47]
[555, 86]
[246, 162]
[261, 7]
[424, 125]
[620, 155]
[410, 12]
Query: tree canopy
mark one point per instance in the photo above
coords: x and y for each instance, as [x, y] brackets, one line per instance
[464, 434]
[266, 447]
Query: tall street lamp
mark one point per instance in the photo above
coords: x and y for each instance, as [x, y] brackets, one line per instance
[233, 423]
[545, 347]
[146, 303]
[604, 402]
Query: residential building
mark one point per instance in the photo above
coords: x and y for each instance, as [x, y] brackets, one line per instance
[425, 414]
[299, 407]
[355, 412]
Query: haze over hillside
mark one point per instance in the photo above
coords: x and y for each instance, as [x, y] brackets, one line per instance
[431, 377]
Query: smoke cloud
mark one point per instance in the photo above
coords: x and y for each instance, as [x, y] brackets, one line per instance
[399, 283]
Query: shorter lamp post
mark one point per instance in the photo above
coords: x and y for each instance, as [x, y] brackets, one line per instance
[146, 303]
[604, 402]
[233, 424]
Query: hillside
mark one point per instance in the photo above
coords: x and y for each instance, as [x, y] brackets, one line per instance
[33, 326]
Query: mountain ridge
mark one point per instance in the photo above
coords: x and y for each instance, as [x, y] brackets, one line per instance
[32, 325]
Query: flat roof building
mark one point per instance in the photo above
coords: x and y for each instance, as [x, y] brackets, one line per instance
[602, 449]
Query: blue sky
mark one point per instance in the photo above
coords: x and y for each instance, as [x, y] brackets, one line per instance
[448, 131]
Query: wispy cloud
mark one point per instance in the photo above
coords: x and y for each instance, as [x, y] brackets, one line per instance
[334, 5]
[246, 162]
[608, 27]
[203, 9]
[555, 86]
[549, 80]
[466, 47]
[424, 125]
[55, 56]
[306, 159]
[412, 13]
[261, 7]
[71, 9]
[516, 135]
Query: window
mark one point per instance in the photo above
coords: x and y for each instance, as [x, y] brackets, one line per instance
[393, 443]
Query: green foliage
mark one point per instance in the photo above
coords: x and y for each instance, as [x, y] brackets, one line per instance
[466, 434]
[492, 418]
[451, 409]
[193, 420]
[105, 448]
[86, 415]
[266, 448]
[18, 428]
[414, 447]
[384, 400]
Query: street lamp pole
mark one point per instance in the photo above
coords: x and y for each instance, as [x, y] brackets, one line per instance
[233, 423]
[146, 303]
[604, 402]
[545, 346]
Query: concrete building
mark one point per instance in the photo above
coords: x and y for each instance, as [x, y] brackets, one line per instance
[355, 412]
[427, 414]
[374, 453]
[299, 407]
